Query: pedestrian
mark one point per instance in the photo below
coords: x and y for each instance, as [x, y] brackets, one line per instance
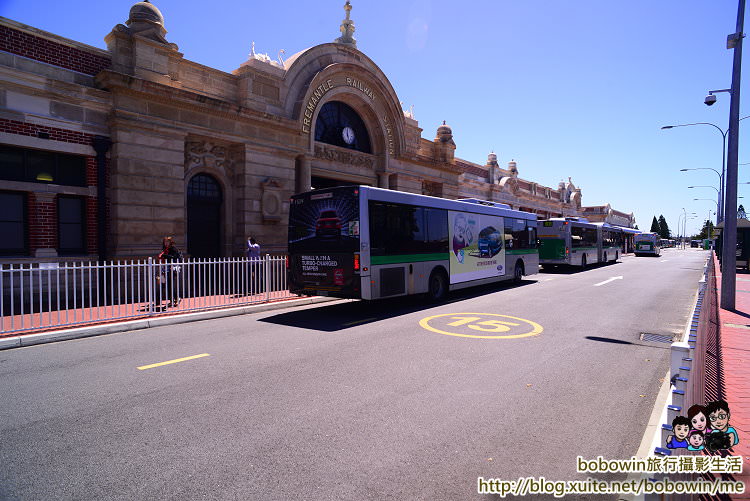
[169, 274]
[256, 265]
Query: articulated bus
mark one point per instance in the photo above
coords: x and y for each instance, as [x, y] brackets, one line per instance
[568, 241]
[370, 243]
[574, 241]
[611, 239]
[647, 244]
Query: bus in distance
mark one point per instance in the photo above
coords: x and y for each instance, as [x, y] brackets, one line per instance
[647, 244]
[370, 243]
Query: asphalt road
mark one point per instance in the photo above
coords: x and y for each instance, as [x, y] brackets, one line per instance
[351, 400]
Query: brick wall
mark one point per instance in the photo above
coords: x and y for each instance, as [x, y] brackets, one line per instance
[42, 207]
[27, 129]
[42, 221]
[34, 47]
[91, 225]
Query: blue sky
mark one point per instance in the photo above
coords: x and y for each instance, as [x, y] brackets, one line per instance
[575, 88]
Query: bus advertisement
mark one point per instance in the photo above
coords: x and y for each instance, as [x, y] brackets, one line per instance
[475, 253]
[323, 240]
[370, 243]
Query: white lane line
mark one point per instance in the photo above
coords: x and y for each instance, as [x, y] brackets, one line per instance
[664, 260]
[608, 281]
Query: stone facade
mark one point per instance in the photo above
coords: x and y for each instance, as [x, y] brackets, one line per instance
[249, 134]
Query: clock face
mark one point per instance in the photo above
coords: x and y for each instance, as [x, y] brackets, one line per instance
[348, 135]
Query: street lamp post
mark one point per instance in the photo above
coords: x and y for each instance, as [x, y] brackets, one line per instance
[718, 195]
[720, 215]
[718, 198]
[684, 227]
[729, 249]
[720, 211]
[681, 223]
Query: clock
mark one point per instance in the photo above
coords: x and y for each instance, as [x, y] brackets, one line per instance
[348, 135]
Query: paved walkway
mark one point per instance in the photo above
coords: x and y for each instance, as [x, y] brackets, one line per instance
[734, 329]
[29, 323]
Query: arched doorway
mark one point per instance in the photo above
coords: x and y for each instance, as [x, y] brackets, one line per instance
[204, 216]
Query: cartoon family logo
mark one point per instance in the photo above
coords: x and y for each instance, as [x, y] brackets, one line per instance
[462, 236]
[704, 428]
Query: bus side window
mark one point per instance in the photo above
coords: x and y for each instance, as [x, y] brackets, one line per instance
[377, 220]
[533, 240]
[589, 237]
[436, 222]
[576, 235]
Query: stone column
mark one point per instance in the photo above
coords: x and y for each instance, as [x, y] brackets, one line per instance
[383, 179]
[302, 176]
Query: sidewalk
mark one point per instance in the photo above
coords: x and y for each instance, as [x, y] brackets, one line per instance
[29, 338]
[734, 353]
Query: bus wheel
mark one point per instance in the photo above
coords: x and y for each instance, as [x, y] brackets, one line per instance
[583, 262]
[437, 287]
[518, 273]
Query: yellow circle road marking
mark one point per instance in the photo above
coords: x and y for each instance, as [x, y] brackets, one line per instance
[476, 321]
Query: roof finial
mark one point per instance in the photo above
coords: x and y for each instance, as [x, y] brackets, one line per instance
[347, 28]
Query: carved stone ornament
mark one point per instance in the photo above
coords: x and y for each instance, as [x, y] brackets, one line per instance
[513, 185]
[270, 200]
[344, 157]
[207, 154]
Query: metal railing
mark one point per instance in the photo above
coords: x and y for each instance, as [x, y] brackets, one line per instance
[695, 367]
[705, 383]
[47, 296]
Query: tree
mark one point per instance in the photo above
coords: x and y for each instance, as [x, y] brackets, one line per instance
[663, 228]
[654, 226]
[707, 230]
[741, 212]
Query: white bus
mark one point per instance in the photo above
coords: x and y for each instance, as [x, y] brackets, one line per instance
[610, 242]
[372, 243]
[647, 244]
[569, 241]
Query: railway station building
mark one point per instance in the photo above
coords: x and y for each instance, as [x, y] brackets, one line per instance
[104, 151]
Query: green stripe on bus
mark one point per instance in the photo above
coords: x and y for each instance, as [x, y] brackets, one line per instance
[552, 248]
[409, 258]
[521, 251]
[584, 248]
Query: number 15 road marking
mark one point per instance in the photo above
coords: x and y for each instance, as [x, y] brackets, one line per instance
[462, 325]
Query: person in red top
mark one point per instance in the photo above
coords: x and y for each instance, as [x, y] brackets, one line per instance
[169, 271]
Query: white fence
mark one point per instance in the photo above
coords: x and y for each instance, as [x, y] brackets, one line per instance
[46, 296]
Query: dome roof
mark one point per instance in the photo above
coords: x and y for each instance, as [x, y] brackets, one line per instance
[444, 129]
[145, 11]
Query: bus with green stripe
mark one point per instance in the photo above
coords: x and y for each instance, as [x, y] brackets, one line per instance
[647, 244]
[370, 243]
[611, 242]
[569, 241]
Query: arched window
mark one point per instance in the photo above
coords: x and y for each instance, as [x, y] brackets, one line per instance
[204, 200]
[338, 124]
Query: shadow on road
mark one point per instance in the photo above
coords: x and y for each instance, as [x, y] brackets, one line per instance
[563, 269]
[336, 317]
[620, 341]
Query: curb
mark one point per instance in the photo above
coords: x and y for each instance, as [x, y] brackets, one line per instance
[98, 330]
